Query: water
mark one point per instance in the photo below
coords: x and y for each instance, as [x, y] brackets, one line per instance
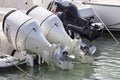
[106, 66]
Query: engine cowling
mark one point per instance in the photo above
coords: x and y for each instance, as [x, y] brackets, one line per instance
[51, 25]
[54, 32]
[25, 35]
[23, 32]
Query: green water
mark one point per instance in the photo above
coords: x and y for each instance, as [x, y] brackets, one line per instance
[106, 65]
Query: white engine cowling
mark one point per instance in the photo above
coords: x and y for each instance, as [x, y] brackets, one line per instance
[51, 25]
[54, 32]
[24, 33]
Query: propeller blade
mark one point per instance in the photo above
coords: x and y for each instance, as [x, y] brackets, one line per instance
[83, 44]
[63, 54]
[92, 50]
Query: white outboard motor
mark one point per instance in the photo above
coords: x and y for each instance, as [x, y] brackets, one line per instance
[8, 55]
[25, 35]
[54, 32]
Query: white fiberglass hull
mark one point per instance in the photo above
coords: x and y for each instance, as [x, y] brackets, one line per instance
[110, 15]
[9, 61]
[108, 11]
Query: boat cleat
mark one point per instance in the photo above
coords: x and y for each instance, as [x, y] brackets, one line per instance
[97, 26]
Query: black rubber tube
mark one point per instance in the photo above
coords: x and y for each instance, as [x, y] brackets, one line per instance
[3, 24]
[31, 9]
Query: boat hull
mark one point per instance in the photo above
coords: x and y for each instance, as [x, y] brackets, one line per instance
[110, 15]
[9, 61]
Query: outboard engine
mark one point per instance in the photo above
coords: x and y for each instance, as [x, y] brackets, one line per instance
[24, 33]
[72, 21]
[54, 32]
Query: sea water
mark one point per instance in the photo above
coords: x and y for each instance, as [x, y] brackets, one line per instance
[106, 65]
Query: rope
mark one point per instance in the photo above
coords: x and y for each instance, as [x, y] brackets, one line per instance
[50, 7]
[100, 4]
[106, 27]
[102, 22]
[27, 74]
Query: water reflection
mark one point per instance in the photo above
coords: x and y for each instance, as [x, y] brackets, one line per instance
[106, 66]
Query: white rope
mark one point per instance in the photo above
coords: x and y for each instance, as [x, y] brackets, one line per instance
[103, 23]
[106, 27]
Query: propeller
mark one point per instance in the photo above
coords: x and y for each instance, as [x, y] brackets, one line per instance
[92, 50]
[63, 54]
[63, 59]
[87, 49]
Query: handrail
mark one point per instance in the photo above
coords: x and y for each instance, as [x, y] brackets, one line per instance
[100, 4]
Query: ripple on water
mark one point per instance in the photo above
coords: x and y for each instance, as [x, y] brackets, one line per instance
[106, 65]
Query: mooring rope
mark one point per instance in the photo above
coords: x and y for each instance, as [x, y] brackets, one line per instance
[106, 27]
[51, 5]
[27, 74]
[104, 24]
